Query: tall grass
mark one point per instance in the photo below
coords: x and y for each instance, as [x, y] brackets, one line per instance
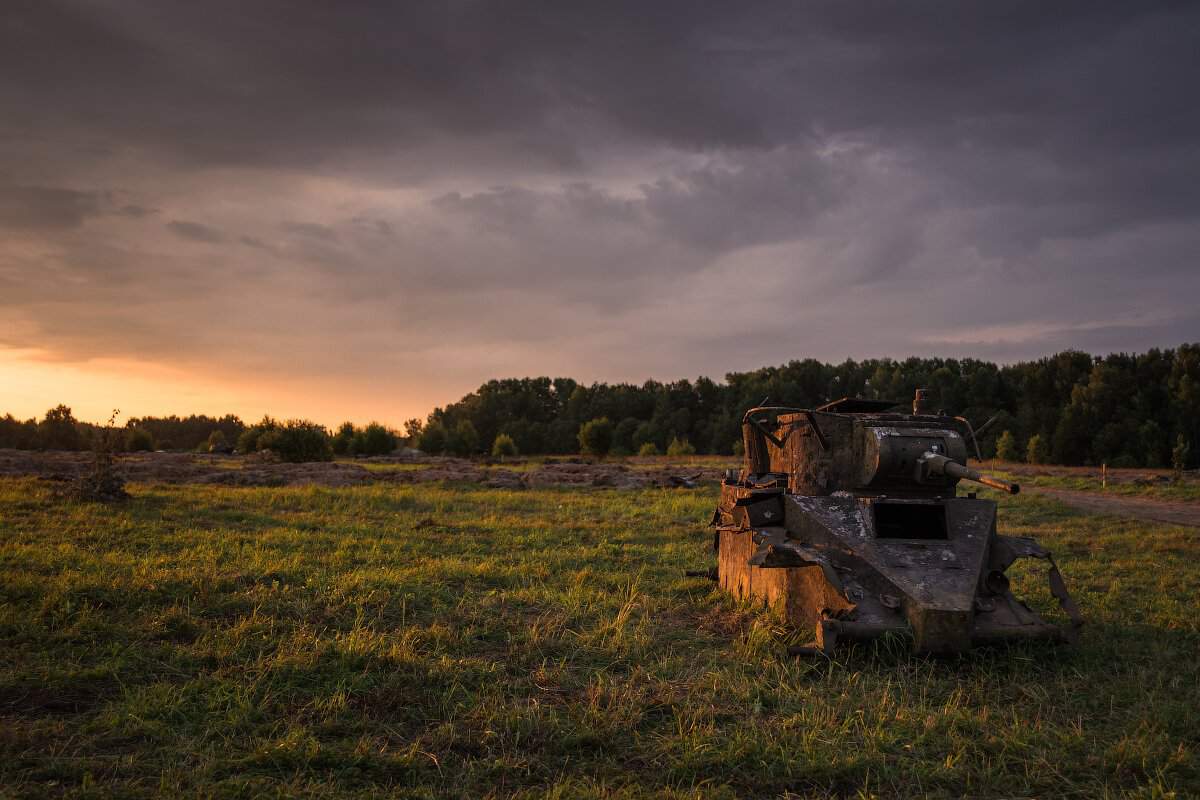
[451, 641]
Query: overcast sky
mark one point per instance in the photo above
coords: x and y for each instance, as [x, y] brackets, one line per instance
[361, 210]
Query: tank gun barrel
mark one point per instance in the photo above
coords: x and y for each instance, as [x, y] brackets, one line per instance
[934, 465]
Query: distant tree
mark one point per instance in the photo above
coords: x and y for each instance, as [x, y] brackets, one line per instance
[648, 449]
[373, 440]
[739, 448]
[1074, 432]
[1036, 451]
[188, 433]
[1006, 447]
[463, 441]
[412, 431]
[1179, 456]
[595, 437]
[680, 447]
[250, 440]
[433, 439]
[503, 446]
[623, 435]
[138, 440]
[1153, 441]
[17, 434]
[59, 430]
[647, 431]
[342, 439]
[217, 442]
[297, 441]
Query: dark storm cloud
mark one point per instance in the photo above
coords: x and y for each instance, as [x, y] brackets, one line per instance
[823, 178]
[195, 231]
[311, 229]
[45, 208]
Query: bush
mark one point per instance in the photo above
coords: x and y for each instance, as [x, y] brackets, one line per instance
[504, 446]
[248, 441]
[433, 439]
[648, 449]
[412, 431]
[463, 441]
[374, 440]
[342, 439]
[59, 430]
[1179, 456]
[1006, 447]
[1036, 452]
[623, 435]
[680, 447]
[217, 443]
[298, 440]
[595, 437]
[646, 432]
[138, 440]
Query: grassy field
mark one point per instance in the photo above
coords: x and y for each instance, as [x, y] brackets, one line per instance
[441, 641]
[1151, 484]
[1186, 490]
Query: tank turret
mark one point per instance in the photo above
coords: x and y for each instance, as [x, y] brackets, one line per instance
[848, 517]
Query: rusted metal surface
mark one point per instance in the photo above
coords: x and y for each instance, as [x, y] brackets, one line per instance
[847, 519]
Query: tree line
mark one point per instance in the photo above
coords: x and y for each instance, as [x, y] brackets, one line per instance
[1135, 410]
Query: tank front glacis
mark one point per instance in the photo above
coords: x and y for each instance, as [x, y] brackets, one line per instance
[847, 519]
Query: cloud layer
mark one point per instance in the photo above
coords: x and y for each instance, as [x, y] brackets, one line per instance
[434, 195]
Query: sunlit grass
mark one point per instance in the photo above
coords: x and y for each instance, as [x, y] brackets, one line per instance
[452, 641]
[1187, 489]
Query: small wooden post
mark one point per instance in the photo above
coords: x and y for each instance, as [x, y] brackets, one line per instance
[1104, 476]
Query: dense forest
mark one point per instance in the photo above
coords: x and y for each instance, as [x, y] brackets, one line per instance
[1070, 408]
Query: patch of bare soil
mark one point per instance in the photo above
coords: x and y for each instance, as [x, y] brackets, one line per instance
[1137, 476]
[255, 470]
[1153, 510]
[441, 469]
[314, 473]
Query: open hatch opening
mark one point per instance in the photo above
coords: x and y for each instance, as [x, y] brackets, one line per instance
[910, 521]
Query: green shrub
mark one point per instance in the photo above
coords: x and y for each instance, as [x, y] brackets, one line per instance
[646, 432]
[648, 449]
[504, 446]
[373, 440]
[680, 447]
[1006, 447]
[138, 440]
[342, 439]
[433, 439]
[1036, 451]
[623, 435]
[463, 441]
[248, 441]
[59, 430]
[298, 440]
[412, 432]
[1179, 456]
[595, 437]
[217, 443]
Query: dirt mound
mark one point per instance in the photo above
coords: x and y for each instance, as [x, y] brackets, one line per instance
[447, 469]
[505, 479]
[314, 473]
[204, 468]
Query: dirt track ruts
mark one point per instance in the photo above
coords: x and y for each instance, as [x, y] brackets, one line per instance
[1172, 512]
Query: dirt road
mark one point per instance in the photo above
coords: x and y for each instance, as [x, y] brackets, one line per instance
[1168, 511]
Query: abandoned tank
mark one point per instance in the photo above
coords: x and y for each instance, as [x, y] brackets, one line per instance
[848, 519]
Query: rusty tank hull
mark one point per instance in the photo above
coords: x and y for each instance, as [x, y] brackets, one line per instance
[847, 520]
